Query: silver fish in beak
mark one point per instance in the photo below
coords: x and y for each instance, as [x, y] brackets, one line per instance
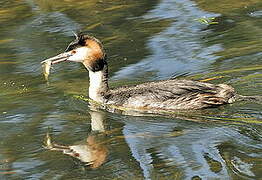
[46, 64]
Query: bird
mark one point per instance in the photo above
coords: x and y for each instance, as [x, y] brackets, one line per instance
[162, 95]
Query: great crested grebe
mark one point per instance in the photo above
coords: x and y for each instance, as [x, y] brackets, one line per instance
[164, 95]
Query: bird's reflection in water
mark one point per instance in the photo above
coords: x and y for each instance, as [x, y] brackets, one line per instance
[93, 151]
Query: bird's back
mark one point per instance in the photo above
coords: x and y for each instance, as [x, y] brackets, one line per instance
[172, 95]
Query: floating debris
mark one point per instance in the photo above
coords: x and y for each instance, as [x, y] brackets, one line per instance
[208, 21]
[6, 41]
[93, 26]
[212, 78]
[256, 14]
[117, 7]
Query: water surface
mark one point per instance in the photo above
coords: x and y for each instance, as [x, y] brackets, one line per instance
[145, 40]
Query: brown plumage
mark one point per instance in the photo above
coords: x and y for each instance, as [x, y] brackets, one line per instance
[172, 95]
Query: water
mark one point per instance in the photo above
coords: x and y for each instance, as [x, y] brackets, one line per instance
[145, 41]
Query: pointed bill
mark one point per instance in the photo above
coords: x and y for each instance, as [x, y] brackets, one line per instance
[58, 58]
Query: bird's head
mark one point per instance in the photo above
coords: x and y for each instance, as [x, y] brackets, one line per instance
[84, 49]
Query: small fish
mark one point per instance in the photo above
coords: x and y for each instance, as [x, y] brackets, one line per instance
[48, 142]
[46, 65]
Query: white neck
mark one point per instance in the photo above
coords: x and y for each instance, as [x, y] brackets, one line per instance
[98, 85]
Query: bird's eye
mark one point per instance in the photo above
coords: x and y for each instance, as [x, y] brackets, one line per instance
[72, 46]
[69, 48]
[73, 52]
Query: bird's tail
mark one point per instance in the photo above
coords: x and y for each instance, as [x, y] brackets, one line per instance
[257, 99]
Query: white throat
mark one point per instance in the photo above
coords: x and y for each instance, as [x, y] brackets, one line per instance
[97, 85]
